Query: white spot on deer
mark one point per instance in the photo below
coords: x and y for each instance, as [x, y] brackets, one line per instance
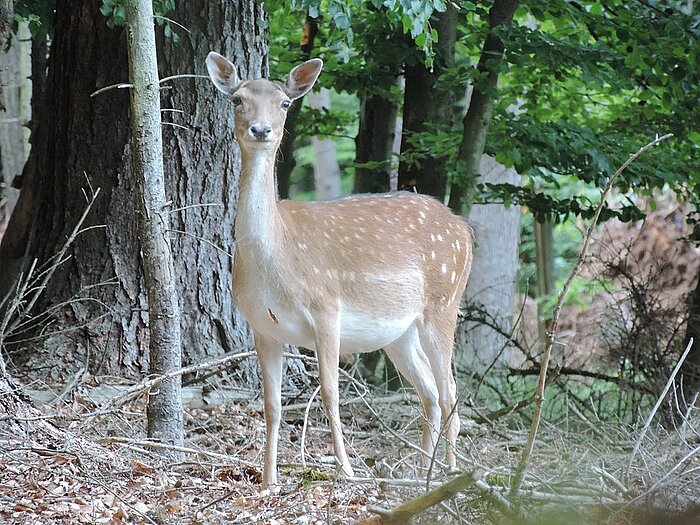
[444, 268]
[439, 237]
[302, 246]
[432, 255]
[453, 277]
[432, 237]
[420, 220]
[412, 226]
[421, 215]
[457, 245]
[316, 270]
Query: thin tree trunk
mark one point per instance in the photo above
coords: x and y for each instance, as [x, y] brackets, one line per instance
[164, 411]
[691, 366]
[374, 144]
[478, 118]
[15, 241]
[493, 279]
[544, 261]
[15, 97]
[326, 168]
[426, 106]
[285, 156]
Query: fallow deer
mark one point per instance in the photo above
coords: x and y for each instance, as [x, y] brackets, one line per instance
[349, 275]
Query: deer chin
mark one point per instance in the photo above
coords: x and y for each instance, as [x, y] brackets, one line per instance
[267, 144]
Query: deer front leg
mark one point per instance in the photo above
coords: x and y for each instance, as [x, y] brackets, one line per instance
[270, 357]
[328, 353]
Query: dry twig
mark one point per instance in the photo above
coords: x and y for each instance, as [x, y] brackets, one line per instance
[551, 334]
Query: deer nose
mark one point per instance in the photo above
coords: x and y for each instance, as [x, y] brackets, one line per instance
[260, 131]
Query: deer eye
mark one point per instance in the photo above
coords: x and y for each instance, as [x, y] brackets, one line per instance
[236, 100]
[286, 104]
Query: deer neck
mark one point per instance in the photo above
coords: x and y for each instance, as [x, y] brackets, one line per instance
[259, 225]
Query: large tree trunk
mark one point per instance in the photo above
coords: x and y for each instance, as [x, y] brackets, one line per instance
[426, 106]
[86, 140]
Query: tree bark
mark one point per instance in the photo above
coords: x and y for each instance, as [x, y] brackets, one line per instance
[544, 262]
[285, 156]
[104, 326]
[493, 279]
[164, 410]
[14, 242]
[14, 134]
[428, 105]
[476, 121]
[374, 144]
[691, 367]
[326, 168]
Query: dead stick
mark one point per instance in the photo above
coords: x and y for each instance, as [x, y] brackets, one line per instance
[404, 512]
[145, 385]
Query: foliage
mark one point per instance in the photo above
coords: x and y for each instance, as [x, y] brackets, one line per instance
[588, 83]
[114, 11]
[413, 17]
[37, 13]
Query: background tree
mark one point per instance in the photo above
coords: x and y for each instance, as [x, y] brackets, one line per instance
[428, 107]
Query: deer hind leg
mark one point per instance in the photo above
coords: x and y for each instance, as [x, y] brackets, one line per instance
[437, 342]
[409, 358]
[269, 354]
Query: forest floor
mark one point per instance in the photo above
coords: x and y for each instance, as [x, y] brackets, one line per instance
[101, 470]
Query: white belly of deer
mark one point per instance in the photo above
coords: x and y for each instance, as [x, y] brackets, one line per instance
[359, 331]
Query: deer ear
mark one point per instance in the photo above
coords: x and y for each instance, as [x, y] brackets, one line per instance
[303, 77]
[222, 73]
